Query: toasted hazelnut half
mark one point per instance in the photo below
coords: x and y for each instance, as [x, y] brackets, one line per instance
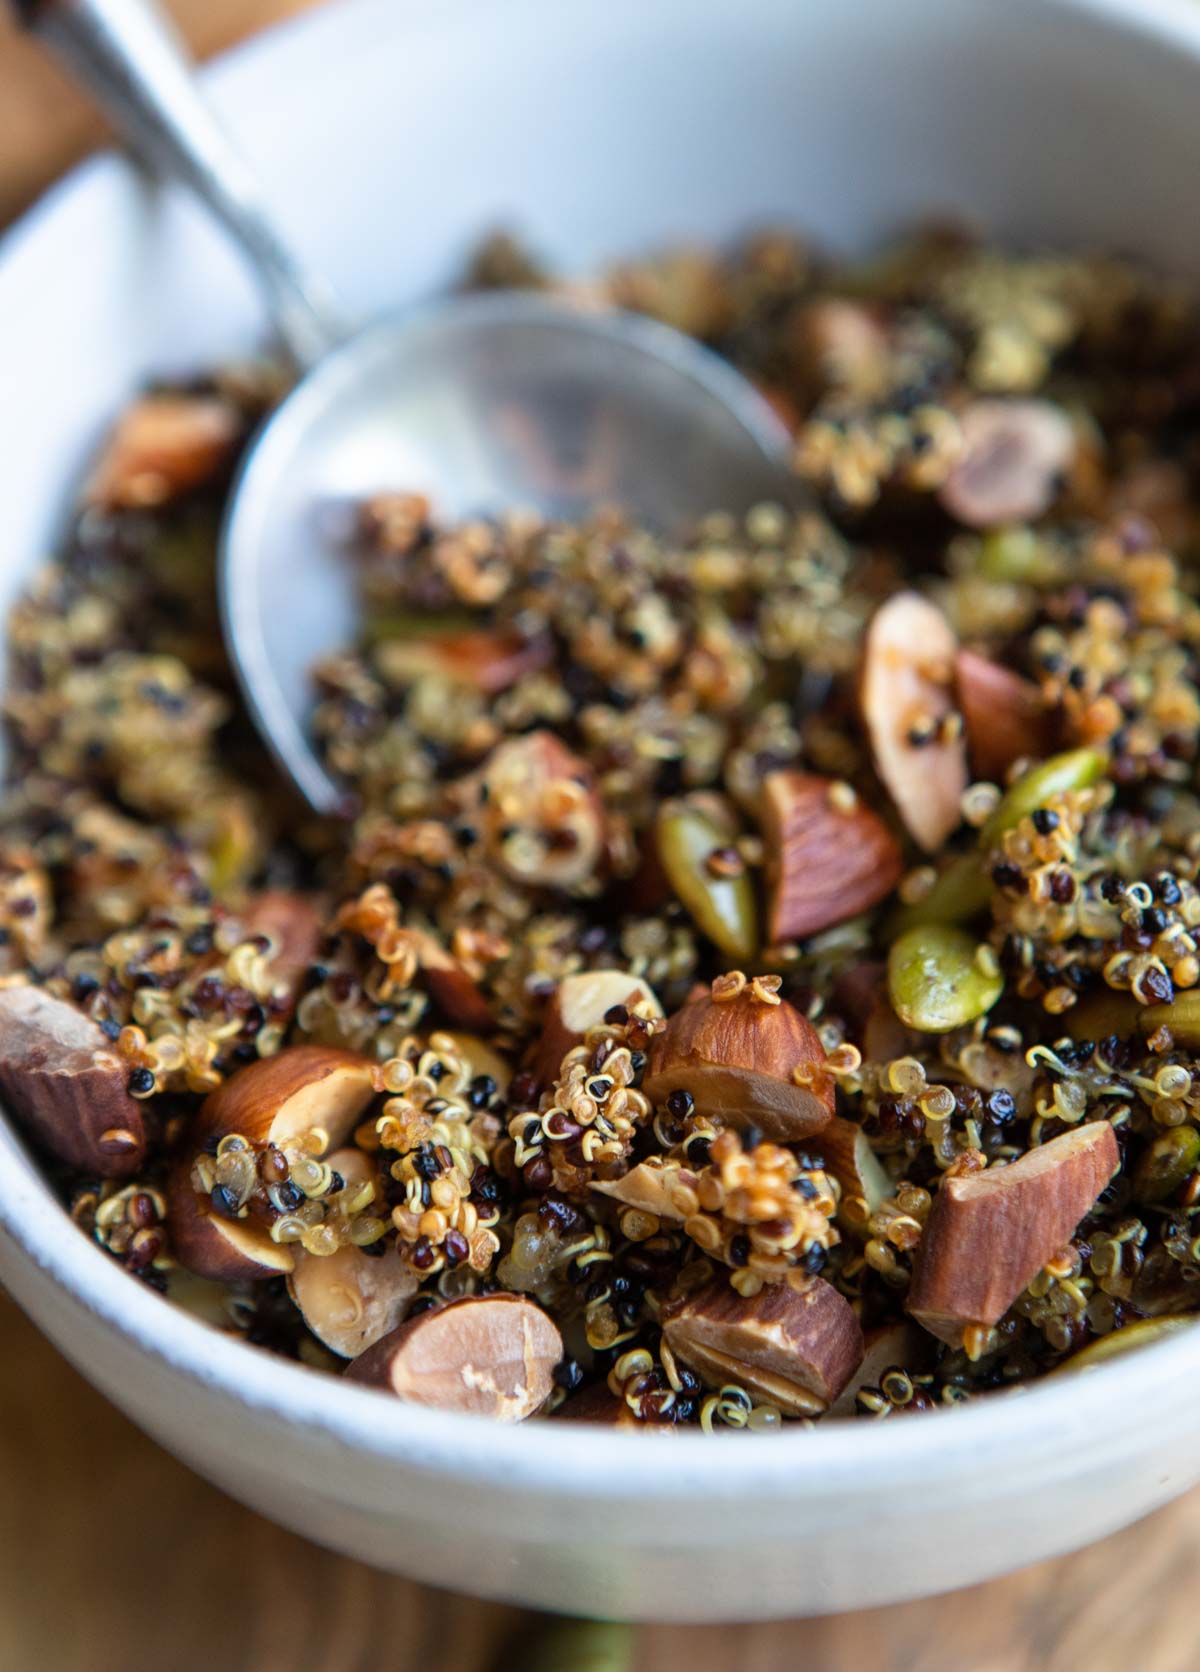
[65, 1083]
[228, 1250]
[301, 1091]
[489, 1355]
[536, 805]
[294, 924]
[884, 1346]
[989, 1233]
[828, 856]
[847, 1154]
[581, 1002]
[737, 1057]
[1005, 716]
[1016, 457]
[488, 661]
[795, 1347]
[162, 446]
[907, 694]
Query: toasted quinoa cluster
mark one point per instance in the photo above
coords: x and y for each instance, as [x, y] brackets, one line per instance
[759, 979]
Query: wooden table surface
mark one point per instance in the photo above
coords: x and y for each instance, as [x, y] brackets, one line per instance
[115, 1558]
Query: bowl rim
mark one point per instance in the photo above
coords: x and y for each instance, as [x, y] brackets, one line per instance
[1053, 1422]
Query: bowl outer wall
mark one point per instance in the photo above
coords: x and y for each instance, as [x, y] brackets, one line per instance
[1056, 120]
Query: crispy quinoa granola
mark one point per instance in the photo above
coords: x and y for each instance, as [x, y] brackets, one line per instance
[760, 978]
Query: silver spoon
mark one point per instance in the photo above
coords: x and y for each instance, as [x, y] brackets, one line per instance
[481, 402]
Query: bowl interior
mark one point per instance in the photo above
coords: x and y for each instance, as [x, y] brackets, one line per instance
[595, 129]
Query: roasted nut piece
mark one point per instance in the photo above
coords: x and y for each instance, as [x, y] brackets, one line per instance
[885, 1345]
[491, 662]
[294, 924]
[648, 1187]
[303, 1092]
[308, 1095]
[828, 855]
[352, 1299]
[907, 694]
[489, 1355]
[536, 806]
[581, 1002]
[990, 1233]
[738, 1058]
[1005, 716]
[600, 1405]
[456, 994]
[795, 1347]
[1016, 457]
[162, 446]
[860, 997]
[67, 1085]
[844, 1148]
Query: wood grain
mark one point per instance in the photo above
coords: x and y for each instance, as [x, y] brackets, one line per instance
[115, 1558]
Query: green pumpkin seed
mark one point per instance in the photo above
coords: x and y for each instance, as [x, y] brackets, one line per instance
[960, 893]
[1138, 1334]
[1017, 555]
[938, 980]
[1181, 1016]
[723, 908]
[1078, 769]
[1162, 1168]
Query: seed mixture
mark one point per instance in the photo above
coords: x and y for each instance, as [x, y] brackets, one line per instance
[760, 978]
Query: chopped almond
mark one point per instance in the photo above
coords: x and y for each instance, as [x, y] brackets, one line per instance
[828, 856]
[488, 661]
[990, 1233]
[907, 695]
[581, 1002]
[738, 1058]
[536, 806]
[795, 1347]
[844, 1148]
[489, 1355]
[456, 994]
[163, 446]
[205, 1243]
[1005, 716]
[301, 1092]
[64, 1082]
[294, 923]
[886, 1345]
[648, 1188]
[1017, 455]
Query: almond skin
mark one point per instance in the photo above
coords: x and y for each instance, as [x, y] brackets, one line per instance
[860, 997]
[490, 662]
[825, 861]
[581, 1002]
[736, 1057]
[163, 446]
[906, 689]
[226, 1250]
[1005, 716]
[989, 1233]
[487, 1355]
[65, 1083]
[847, 1154]
[796, 1348]
[456, 994]
[885, 1345]
[294, 923]
[284, 1097]
[1016, 457]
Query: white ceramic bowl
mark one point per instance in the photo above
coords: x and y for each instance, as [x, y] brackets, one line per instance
[391, 134]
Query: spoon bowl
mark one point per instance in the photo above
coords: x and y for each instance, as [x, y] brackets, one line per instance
[483, 404]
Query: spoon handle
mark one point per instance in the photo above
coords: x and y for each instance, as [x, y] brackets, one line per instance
[129, 57]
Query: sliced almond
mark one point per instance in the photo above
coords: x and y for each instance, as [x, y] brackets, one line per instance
[303, 1092]
[737, 1058]
[581, 1002]
[488, 1355]
[846, 1151]
[907, 695]
[1005, 716]
[1017, 455]
[351, 1300]
[536, 805]
[828, 856]
[488, 661]
[648, 1187]
[66, 1084]
[162, 446]
[796, 1348]
[885, 1345]
[227, 1250]
[990, 1233]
